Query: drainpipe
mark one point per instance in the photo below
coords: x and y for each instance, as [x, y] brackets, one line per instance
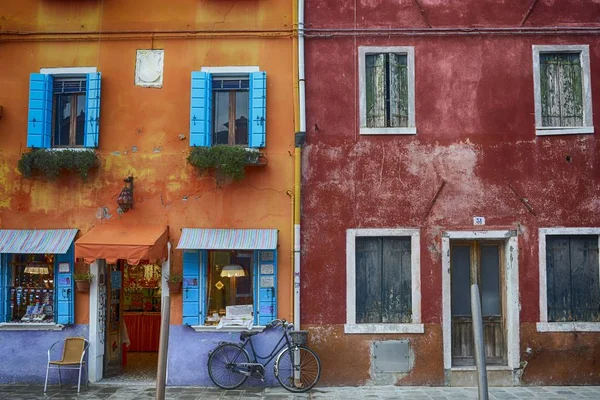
[299, 142]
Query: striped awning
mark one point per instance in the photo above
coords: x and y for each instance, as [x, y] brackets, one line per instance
[227, 239]
[36, 241]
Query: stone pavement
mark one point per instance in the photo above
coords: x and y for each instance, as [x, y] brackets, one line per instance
[30, 392]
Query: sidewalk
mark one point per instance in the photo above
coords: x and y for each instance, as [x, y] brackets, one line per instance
[28, 392]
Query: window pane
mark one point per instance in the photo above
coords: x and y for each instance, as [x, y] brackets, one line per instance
[461, 280]
[561, 89]
[62, 119]
[490, 280]
[375, 90]
[241, 117]
[32, 289]
[221, 117]
[368, 280]
[228, 288]
[80, 123]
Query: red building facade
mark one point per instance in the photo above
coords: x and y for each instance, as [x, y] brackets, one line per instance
[451, 143]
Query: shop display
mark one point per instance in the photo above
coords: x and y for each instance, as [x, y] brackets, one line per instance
[32, 293]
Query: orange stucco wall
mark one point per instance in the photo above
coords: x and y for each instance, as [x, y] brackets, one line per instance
[140, 128]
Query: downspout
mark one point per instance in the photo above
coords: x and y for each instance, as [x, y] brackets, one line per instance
[299, 142]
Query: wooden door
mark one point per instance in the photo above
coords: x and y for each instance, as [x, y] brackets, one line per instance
[478, 262]
[114, 318]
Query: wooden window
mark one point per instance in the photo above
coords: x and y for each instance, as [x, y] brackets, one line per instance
[572, 278]
[561, 89]
[69, 106]
[386, 90]
[383, 280]
[231, 106]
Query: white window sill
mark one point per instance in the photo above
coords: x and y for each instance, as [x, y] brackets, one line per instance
[213, 328]
[30, 326]
[562, 130]
[383, 328]
[388, 131]
[488, 368]
[568, 326]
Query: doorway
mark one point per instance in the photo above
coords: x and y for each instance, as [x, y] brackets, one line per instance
[133, 315]
[478, 262]
[491, 259]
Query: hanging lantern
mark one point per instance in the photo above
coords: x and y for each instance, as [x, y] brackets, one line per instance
[125, 198]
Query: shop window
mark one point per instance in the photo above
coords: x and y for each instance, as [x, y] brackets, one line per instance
[142, 287]
[64, 109]
[386, 88]
[216, 280]
[228, 107]
[37, 288]
[383, 281]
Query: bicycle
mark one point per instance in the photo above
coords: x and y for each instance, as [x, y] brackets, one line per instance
[297, 368]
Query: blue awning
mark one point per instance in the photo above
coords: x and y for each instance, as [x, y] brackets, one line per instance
[36, 241]
[227, 239]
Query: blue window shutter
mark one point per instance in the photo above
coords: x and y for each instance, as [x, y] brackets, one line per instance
[203, 283]
[63, 306]
[265, 303]
[191, 288]
[92, 109]
[257, 126]
[201, 109]
[4, 287]
[39, 126]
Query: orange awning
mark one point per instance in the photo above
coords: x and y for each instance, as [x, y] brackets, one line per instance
[132, 243]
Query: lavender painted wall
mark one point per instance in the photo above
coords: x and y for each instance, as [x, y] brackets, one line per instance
[25, 355]
[188, 355]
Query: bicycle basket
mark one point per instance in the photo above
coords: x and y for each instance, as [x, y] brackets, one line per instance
[298, 337]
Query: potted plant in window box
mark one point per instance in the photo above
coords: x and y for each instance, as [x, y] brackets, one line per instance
[175, 281]
[82, 281]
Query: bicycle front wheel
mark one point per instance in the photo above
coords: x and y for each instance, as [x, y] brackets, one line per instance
[298, 369]
[224, 366]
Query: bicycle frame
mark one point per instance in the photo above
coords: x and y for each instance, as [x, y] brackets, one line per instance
[278, 348]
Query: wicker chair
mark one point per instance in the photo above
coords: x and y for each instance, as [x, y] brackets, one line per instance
[73, 355]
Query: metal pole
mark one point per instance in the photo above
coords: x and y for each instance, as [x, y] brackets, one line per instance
[482, 383]
[163, 347]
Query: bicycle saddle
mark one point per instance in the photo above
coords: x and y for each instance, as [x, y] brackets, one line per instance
[246, 334]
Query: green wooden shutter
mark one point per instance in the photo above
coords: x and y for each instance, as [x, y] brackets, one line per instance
[64, 306]
[398, 74]
[257, 124]
[191, 287]
[92, 109]
[201, 109]
[265, 272]
[375, 90]
[561, 89]
[39, 126]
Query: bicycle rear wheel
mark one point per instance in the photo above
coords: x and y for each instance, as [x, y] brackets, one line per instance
[223, 366]
[298, 369]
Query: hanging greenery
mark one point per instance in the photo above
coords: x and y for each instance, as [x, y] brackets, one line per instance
[49, 163]
[228, 162]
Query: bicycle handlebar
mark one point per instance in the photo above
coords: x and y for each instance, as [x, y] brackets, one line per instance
[280, 322]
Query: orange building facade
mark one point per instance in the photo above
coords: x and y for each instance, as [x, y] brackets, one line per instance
[141, 86]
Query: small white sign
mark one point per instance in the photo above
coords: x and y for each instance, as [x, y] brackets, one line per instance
[478, 220]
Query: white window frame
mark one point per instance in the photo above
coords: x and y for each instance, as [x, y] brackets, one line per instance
[544, 325]
[409, 52]
[584, 56]
[415, 256]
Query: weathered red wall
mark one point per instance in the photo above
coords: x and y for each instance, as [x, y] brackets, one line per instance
[140, 127]
[475, 131]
